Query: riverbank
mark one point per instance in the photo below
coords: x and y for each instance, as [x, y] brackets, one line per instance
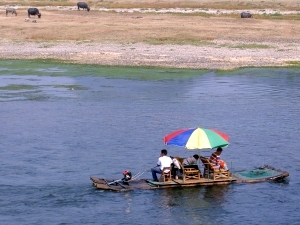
[220, 55]
[187, 37]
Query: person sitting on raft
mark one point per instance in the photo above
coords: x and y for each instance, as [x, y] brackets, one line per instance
[191, 162]
[215, 159]
[163, 161]
[175, 167]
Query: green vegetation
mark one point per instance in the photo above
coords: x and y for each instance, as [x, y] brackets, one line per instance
[14, 87]
[179, 41]
[294, 64]
[70, 87]
[246, 46]
[61, 68]
[251, 46]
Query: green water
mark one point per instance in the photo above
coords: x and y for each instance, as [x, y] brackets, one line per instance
[40, 67]
[58, 68]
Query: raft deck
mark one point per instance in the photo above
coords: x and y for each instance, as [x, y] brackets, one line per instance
[149, 184]
[261, 174]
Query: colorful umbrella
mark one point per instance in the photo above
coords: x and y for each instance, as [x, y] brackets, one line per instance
[197, 138]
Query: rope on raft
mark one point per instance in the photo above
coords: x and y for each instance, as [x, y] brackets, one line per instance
[133, 178]
[138, 174]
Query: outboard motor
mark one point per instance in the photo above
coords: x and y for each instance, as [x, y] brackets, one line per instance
[127, 176]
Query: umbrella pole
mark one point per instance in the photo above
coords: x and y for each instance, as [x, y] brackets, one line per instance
[198, 163]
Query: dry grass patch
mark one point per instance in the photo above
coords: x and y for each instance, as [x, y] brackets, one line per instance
[144, 27]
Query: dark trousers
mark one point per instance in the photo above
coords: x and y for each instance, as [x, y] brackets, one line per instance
[174, 172]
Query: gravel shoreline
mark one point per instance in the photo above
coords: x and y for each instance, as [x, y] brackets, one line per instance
[221, 55]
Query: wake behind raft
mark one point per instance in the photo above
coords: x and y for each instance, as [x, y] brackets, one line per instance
[129, 182]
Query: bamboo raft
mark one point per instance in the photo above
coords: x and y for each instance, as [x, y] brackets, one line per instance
[261, 174]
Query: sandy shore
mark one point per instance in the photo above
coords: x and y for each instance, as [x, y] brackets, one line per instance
[215, 56]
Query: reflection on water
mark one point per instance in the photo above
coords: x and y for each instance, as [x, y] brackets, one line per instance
[193, 205]
[61, 124]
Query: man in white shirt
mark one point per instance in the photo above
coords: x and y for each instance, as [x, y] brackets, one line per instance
[163, 161]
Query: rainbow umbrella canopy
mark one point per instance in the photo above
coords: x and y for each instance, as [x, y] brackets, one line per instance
[197, 138]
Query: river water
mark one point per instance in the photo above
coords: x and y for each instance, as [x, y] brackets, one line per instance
[62, 123]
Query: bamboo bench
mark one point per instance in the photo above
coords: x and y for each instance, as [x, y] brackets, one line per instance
[209, 169]
[189, 173]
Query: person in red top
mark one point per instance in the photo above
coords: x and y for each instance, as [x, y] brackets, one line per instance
[215, 159]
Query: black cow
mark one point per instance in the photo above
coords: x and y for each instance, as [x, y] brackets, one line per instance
[246, 15]
[11, 10]
[34, 12]
[83, 5]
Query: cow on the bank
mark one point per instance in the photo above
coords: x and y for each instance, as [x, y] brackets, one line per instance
[34, 12]
[83, 5]
[11, 10]
[246, 15]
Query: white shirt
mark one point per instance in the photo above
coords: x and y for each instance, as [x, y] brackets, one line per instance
[164, 161]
